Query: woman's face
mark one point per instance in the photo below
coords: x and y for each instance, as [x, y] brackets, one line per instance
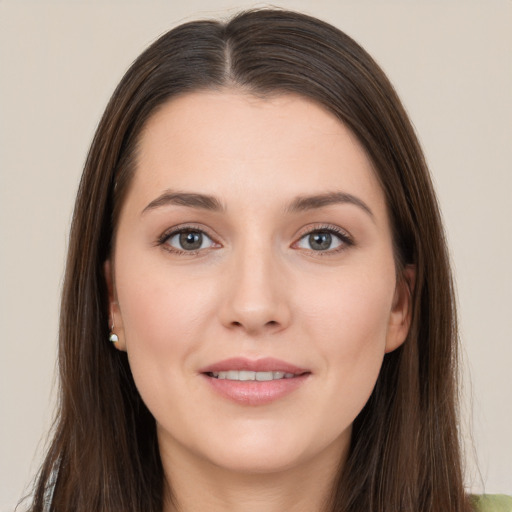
[254, 243]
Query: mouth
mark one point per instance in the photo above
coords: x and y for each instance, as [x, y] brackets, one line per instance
[246, 375]
[254, 382]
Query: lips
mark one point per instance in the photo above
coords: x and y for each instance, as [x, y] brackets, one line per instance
[254, 382]
[268, 364]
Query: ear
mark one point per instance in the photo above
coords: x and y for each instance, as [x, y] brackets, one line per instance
[114, 313]
[401, 312]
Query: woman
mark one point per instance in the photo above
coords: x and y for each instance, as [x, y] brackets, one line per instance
[257, 235]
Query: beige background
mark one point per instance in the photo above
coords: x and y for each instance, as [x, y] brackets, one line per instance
[451, 62]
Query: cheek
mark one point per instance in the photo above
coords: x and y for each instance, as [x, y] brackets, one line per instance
[350, 311]
[163, 313]
[162, 309]
[349, 323]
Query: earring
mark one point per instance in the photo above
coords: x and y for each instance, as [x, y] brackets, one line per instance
[113, 336]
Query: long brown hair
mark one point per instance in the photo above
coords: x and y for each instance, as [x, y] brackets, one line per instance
[404, 453]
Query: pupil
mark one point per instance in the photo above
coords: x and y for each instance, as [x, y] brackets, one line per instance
[320, 241]
[191, 240]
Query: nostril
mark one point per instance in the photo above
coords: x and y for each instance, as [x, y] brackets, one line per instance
[270, 323]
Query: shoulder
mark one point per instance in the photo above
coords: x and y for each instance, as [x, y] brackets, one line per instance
[492, 503]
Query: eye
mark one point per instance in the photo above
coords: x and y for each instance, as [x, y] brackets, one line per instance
[186, 240]
[324, 240]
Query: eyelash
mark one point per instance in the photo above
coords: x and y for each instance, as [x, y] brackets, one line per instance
[345, 239]
[167, 235]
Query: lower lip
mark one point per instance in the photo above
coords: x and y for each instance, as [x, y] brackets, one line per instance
[254, 392]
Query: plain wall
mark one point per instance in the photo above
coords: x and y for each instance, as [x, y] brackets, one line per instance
[451, 62]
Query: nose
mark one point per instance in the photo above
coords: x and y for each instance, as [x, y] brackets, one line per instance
[255, 294]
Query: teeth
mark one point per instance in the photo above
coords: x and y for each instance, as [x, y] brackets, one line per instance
[244, 375]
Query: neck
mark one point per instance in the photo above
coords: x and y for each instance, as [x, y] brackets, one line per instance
[199, 485]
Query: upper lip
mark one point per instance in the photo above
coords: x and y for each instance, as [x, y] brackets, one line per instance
[267, 364]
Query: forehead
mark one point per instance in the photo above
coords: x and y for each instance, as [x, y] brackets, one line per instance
[231, 144]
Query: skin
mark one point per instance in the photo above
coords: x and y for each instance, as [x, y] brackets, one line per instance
[257, 289]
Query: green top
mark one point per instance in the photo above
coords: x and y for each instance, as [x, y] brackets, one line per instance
[492, 503]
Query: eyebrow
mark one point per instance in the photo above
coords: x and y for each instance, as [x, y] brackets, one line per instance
[299, 204]
[304, 203]
[188, 199]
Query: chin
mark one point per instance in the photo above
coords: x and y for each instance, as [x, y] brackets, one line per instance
[255, 462]
[274, 452]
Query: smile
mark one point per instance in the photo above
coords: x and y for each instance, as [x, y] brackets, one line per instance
[251, 382]
[245, 375]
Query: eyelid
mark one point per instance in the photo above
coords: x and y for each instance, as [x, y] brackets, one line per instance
[345, 238]
[182, 228]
